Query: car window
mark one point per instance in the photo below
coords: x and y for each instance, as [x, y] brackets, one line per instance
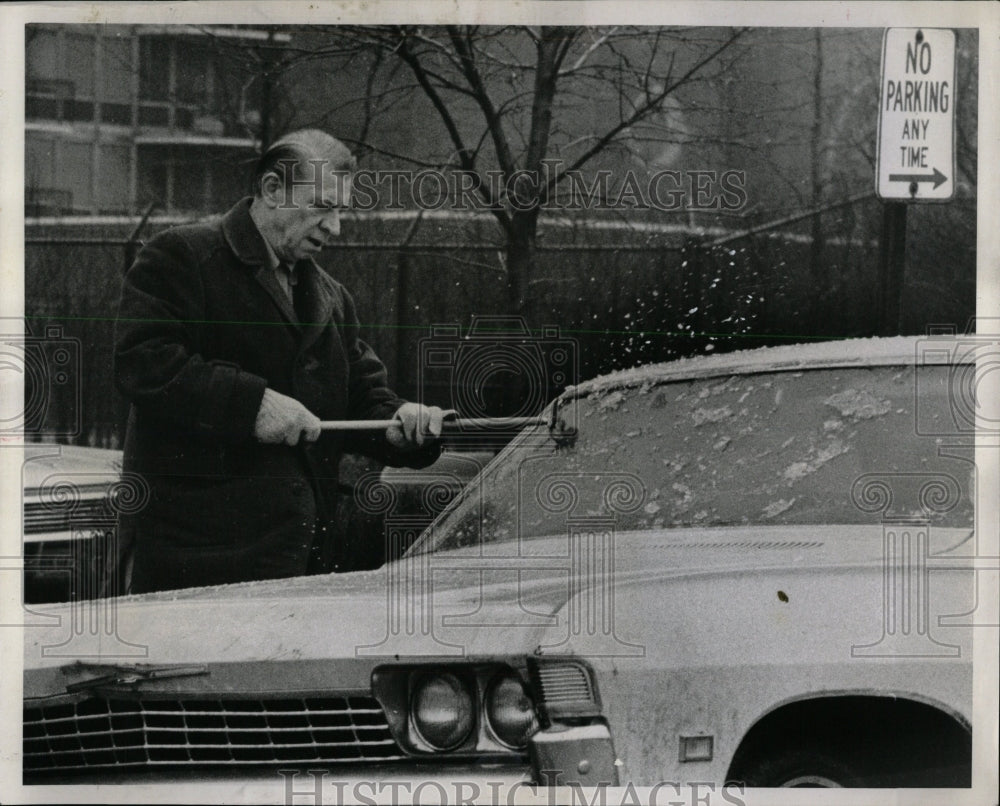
[830, 446]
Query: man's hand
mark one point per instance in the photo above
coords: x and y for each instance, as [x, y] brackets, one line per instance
[284, 419]
[415, 424]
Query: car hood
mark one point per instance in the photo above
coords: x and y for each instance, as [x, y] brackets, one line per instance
[461, 593]
[47, 464]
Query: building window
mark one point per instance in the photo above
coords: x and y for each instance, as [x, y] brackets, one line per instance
[189, 179]
[154, 69]
[193, 102]
[194, 77]
[113, 189]
[79, 56]
[43, 194]
[176, 81]
[116, 81]
[76, 173]
[41, 53]
[152, 171]
[60, 75]
[189, 85]
[58, 176]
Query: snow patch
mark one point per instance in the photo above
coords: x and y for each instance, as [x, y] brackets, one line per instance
[775, 508]
[858, 403]
[799, 470]
[611, 402]
[702, 416]
[684, 491]
[840, 353]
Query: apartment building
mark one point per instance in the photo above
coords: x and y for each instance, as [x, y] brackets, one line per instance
[119, 118]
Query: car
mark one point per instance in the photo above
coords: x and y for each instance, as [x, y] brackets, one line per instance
[744, 569]
[72, 496]
[69, 522]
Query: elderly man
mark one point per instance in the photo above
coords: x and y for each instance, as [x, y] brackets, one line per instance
[231, 346]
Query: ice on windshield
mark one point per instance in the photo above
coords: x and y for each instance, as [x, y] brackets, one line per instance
[830, 446]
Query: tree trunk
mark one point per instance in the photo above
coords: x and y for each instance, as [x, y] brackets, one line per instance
[520, 254]
[523, 227]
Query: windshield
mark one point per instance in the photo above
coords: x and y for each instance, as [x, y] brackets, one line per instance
[828, 446]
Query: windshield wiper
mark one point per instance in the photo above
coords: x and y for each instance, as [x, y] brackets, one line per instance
[130, 674]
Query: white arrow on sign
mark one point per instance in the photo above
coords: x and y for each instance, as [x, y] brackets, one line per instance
[916, 123]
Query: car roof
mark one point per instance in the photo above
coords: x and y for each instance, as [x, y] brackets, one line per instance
[871, 352]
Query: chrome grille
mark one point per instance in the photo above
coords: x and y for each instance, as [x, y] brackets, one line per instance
[96, 732]
[564, 683]
[93, 513]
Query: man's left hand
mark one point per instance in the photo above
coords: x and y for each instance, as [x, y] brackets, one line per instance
[415, 424]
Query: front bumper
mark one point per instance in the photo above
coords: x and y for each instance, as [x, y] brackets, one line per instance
[563, 755]
[395, 782]
[560, 755]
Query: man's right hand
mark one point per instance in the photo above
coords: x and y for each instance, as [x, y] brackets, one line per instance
[284, 419]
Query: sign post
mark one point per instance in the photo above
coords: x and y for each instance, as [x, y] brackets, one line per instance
[915, 161]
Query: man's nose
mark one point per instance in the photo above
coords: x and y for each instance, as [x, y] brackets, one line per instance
[331, 223]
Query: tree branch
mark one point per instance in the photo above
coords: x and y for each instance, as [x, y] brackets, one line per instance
[582, 59]
[465, 157]
[463, 47]
[642, 111]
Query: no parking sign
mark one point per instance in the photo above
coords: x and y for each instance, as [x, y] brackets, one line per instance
[916, 121]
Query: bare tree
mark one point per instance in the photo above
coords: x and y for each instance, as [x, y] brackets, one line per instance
[538, 105]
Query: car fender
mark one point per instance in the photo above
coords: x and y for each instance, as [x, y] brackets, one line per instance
[710, 653]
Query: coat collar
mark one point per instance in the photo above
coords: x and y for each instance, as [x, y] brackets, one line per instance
[249, 247]
[242, 235]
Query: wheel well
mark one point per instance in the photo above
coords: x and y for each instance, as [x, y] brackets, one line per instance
[893, 741]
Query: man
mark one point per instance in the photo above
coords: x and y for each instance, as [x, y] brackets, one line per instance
[231, 346]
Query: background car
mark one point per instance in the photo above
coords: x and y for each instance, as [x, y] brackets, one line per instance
[69, 522]
[749, 568]
[70, 514]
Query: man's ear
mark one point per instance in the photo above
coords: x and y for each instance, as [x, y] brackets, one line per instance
[272, 190]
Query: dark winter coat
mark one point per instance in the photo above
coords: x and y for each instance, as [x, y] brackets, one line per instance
[203, 328]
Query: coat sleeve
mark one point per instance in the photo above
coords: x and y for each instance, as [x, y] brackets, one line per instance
[157, 364]
[370, 398]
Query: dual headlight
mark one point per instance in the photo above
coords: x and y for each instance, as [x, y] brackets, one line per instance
[449, 711]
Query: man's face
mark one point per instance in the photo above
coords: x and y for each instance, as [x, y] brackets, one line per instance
[307, 219]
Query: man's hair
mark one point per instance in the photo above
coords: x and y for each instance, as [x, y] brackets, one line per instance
[295, 151]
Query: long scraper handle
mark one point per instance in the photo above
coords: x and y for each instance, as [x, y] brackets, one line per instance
[457, 423]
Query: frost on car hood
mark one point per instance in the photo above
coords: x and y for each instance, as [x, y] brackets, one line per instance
[900, 350]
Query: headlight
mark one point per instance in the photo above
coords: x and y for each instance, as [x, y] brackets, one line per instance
[509, 711]
[443, 710]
